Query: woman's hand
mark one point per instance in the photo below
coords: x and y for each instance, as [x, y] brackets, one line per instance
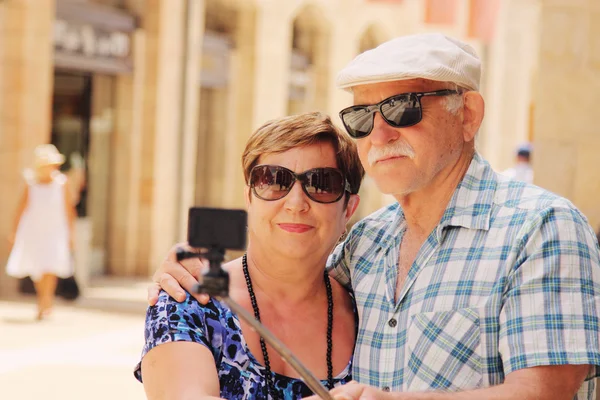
[177, 277]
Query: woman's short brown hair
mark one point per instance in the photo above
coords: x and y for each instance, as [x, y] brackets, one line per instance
[283, 134]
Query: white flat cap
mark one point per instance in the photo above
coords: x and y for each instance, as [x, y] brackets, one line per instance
[430, 56]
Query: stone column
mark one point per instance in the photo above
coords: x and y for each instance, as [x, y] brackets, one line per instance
[25, 96]
[567, 95]
[159, 134]
[508, 71]
[191, 100]
[124, 140]
[244, 98]
[146, 177]
[272, 61]
[345, 40]
[101, 132]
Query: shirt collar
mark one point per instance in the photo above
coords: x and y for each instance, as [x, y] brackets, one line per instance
[471, 204]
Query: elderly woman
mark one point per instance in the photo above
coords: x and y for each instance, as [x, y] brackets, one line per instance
[302, 177]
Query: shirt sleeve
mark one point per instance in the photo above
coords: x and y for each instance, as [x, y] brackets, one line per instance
[170, 321]
[550, 312]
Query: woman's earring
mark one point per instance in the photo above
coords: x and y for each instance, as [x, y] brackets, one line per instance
[344, 236]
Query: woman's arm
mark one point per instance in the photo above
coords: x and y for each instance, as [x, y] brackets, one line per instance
[71, 214]
[180, 370]
[20, 209]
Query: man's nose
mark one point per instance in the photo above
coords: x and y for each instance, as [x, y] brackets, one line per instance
[382, 132]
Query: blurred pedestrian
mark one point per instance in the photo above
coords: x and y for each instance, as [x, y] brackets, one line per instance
[522, 171]
[42, 238]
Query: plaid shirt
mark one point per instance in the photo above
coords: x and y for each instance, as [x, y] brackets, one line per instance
[509, 279]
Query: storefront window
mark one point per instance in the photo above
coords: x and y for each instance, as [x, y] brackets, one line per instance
[71, 109]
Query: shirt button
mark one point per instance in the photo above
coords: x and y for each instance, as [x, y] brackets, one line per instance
[386, 388]
[392, 322]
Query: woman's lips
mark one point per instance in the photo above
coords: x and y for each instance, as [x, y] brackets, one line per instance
[295, 228]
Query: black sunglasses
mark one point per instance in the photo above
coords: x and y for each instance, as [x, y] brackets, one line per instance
[399, 111]
[273, 182]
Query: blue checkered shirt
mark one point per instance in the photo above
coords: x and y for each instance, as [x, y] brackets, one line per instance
[509, 279]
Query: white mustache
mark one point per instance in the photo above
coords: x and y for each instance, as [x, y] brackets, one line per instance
[395, 149]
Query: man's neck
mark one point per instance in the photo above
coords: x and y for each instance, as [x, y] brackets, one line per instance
[424, 208]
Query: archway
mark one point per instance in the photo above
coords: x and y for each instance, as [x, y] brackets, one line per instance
[309, 64]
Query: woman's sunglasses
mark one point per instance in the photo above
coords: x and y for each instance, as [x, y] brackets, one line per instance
[273, 182]
[399, 111]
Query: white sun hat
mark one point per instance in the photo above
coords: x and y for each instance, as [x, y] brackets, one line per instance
[47, 154]
[431, 56]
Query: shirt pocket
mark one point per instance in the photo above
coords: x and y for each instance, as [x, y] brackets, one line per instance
[444, 351]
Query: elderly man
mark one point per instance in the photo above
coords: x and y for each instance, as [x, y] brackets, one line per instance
[471, 286]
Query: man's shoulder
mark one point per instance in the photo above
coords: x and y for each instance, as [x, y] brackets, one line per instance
[512, 193]
[502, 190]
[513, 197]
[381, 219]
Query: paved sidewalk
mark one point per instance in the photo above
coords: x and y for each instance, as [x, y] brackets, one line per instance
[104, 293]
[86, 350]
[77, 354]
[115, 294]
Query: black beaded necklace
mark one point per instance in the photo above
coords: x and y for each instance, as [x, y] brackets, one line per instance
[263, 346]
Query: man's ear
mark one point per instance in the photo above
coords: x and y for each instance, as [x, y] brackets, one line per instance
[353, 202]
[473, 111]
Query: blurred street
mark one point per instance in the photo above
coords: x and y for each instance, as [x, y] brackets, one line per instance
[85, 350]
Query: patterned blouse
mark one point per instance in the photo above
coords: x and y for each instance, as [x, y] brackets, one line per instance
[218, 328]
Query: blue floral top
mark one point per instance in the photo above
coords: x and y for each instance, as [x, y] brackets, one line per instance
[218, 328]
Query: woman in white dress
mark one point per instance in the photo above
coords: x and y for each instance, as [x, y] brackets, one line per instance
[43, 232]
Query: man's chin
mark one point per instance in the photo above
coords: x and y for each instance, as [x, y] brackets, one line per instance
[393, 187]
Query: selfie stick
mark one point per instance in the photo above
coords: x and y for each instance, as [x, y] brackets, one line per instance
[216, 284]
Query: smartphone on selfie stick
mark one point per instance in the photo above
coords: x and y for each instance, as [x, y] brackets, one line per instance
[216, 230]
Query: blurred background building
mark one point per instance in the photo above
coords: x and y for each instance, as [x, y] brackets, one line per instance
[158, 97]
